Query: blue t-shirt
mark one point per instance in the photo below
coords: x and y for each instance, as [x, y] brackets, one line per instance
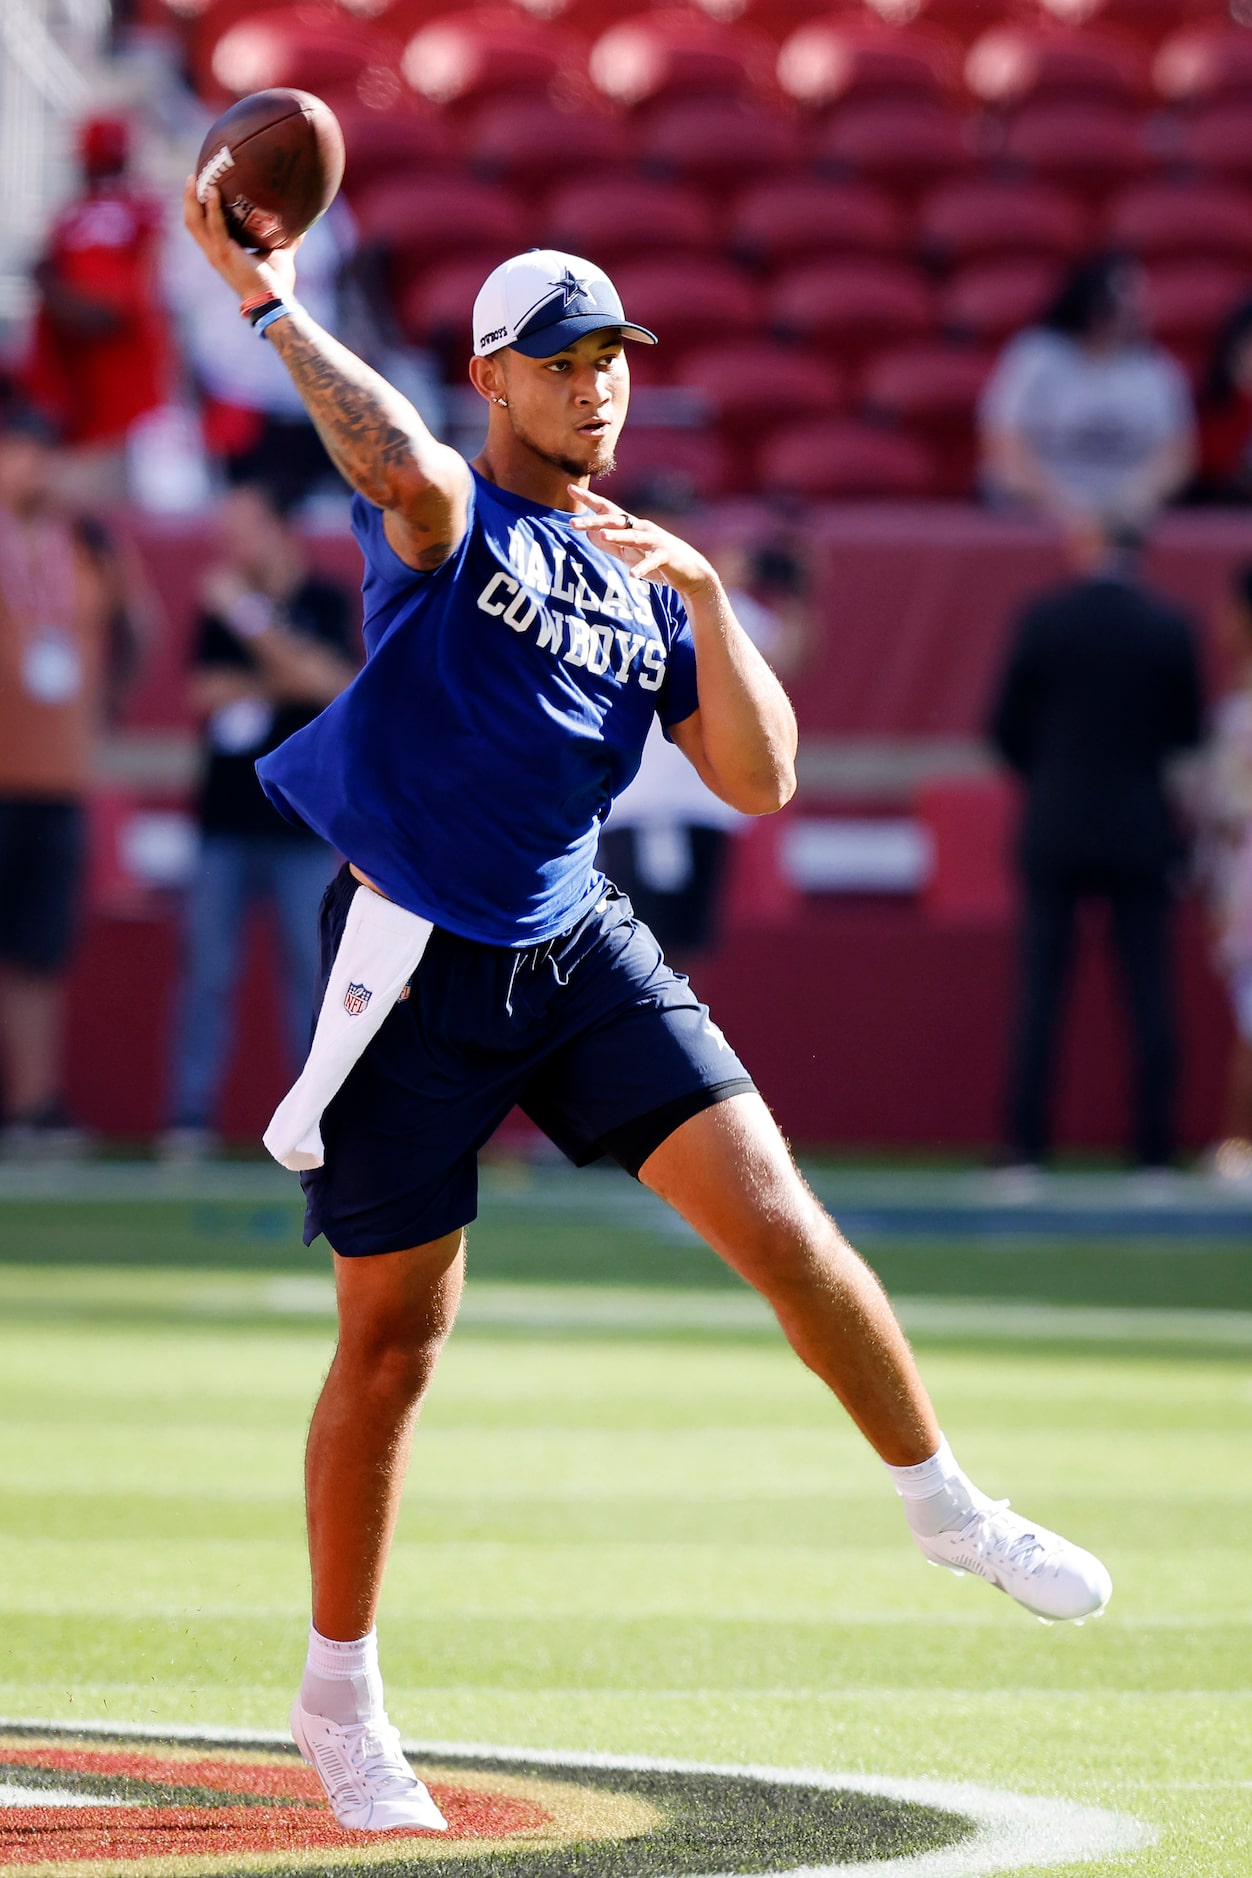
[503, 704]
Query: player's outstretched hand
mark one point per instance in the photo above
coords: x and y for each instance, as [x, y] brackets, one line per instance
[649, 551]
[242, 270]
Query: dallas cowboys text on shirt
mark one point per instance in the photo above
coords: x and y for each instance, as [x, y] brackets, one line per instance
[551, 599]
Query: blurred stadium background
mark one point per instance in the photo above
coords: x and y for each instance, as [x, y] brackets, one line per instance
[835, 215]
[634, 1525]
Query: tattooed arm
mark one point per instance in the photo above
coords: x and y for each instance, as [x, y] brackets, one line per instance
[374, 436]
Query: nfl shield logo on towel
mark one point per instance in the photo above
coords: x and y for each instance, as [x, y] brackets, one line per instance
[355, 999]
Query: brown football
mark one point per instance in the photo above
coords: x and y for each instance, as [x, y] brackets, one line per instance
[277, 157]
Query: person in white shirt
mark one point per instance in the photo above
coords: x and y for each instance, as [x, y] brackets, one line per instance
[667, 839]
[1084, 418]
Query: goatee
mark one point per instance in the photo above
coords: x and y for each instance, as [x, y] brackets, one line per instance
[602, 463]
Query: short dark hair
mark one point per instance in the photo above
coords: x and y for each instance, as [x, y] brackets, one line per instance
[19, 417]
[776, 566]
[279, 497]
[1088, 295]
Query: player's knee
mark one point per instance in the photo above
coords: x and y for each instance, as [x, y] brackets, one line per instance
[785, 1237]
[393, 1349]
[394, 1362]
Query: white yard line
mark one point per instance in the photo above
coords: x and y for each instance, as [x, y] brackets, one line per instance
[624, 1309]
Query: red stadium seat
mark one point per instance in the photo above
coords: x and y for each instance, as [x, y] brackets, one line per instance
[426, 219]
[962, 19]
[466, 56]
[681, 293]
[844, 459]
[792, 217]
[386, 144]
[1162, 219]
[934, 385]
[747, 385]
[1092, 146]
[978, 217]
[435, 308]
[587, 18]
[1220, 139]
[778, 19]
[647, 218]
[402, 17]
[718, 142]
[992, 299]
[829, 61]
[1150, 21]
[1189, 300]
[852, 304]
[903, 146]
[532, 141]
[680, 54]
[1205, 64]
[315, 48]
[1015, 63]
[934, 390]
[662, 468]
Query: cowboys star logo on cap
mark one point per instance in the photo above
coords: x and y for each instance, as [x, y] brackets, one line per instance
[541, 302]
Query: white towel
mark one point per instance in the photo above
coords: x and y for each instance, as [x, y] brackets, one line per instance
[378, 954]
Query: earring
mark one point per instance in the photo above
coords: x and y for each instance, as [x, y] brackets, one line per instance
[503, 401]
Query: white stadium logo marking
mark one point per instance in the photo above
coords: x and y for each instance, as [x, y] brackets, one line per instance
[1009, 1831]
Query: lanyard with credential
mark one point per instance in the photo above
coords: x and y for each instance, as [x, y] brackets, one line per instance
[37, 582]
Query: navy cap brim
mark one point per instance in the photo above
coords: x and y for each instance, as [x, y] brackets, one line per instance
[549, 340]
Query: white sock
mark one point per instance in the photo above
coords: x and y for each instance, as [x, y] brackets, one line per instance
[937, 1495]
[341, 1681]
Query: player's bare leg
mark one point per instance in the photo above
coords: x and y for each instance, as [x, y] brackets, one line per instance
[395, 1312]
[729, 1173]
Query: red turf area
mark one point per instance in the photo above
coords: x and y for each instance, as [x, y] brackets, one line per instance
[39, 1834]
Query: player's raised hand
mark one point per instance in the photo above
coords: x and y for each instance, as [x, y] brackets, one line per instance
[648, 550]
[247, 273]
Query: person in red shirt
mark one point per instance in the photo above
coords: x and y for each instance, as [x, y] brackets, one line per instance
[65, 637]
[101, 356]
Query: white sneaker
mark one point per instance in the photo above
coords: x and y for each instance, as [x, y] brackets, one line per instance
[370, 1785]
[1056, 1581]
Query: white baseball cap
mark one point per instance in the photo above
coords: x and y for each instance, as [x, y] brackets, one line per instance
[543, 301]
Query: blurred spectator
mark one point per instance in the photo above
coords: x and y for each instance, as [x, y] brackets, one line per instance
[254, 419]
[1226, 415]
[1084, 418]
[1228, 814]
[275, 645]
[1100, 689]
[102, 354]
[666, 840]
[65, 643]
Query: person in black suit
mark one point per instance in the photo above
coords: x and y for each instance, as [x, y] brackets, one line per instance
[1101, 687]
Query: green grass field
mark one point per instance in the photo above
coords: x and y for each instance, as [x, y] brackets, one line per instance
[634, 1523]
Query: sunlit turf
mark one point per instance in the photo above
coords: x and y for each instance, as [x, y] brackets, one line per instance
[638, 1544]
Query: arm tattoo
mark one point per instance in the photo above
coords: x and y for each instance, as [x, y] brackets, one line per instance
[374, 436]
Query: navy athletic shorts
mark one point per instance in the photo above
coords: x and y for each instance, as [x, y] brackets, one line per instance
[43, 855]
[591, 1034]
